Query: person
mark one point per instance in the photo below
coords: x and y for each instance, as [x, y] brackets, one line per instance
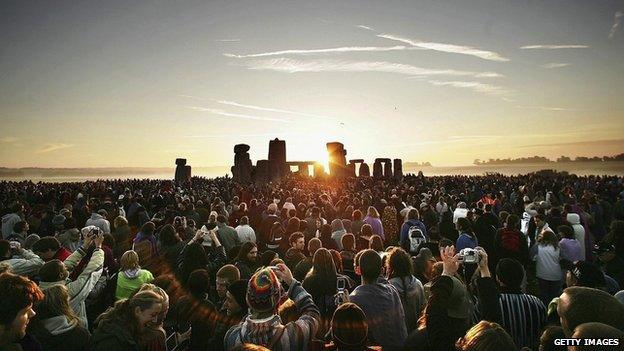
[55, 326]
[400, 274]
[55, 272]
[20, 232]
[193, 255]
[17, 298]
[372, 219]
[381, 303]
[227, 235]
[119, 327]
[321, 284]
[460, 212]
[611, 263]
[70, 239]
[154, 337]
[235, 300]
[303, 267]
[337, 233]
[326, 237]
[605, 336]
[356, 222]
[98, 219]
[447, 227]
[295, 254]
[467, 238]
[266, 226]
[578, 305]
[49, 248]
[10, 219]
[145, 245]
[510, 242]
[569, 248]
[131, 277]
[197, 312]
[247, 260]
[410, 238]
[389, 223]
[20, 261]
[170, 245]
[122, 234]
[486, 336]
[349, 329]
[579, 231]
[547, 267]
[348, 254]
[547, 340]
[523, 315]
[245, 231]
[263, 326]
[226, 275]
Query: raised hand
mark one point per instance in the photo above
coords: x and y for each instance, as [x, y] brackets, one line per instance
[483, 262]
[450, 260]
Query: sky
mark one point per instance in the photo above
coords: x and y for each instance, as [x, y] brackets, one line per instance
[139, 83]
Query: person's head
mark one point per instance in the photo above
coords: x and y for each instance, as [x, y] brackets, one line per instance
[199, 283]
[46, 247]
[235, 298]
[323, 264]
[129, 261]
[595, 331]
[248, 252]
[370, 266]
[148, 228]
[463, 225]
[399, 264]
[547, 237]
[21, 227]
[510, 273]
[272, 209]
[244, 220]
[547, 340]
[293, 225]
[512, 222]
[376, 243]
[297, 241]
[372, 212]
[565, 231]
[164, 308]
[120, 221]
[53, 271]
[578, 305]
[583, 273]
[357, 215]
[486, 336]
[17, 297]
[263, 293]
[336, 225]
[366, 231]
[605, 251]
[326, 231]
[540, 220]
[55, 303]
[267, 257]
[413, 214]
[168, 236]
[313, 245]
[349, 328]
[348, 242]
[221, 219]
[134, 313]
[225, 276]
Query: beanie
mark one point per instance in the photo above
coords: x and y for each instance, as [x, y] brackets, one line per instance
[263, 291]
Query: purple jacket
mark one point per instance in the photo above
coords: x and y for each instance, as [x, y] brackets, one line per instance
[377, 226]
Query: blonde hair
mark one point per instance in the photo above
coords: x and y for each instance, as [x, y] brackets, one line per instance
[372, 212]
[129, 260]
[120, 221]
[56, 303]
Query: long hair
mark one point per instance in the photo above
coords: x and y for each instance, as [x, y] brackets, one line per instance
[376, 243]
[486, 336]
[123, 311]
[399, 264]
[55, 303]
[244, 251]
[372, 212]
[323, 266]
[547, 237]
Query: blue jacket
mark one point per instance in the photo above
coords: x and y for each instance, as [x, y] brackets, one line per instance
[406, 226]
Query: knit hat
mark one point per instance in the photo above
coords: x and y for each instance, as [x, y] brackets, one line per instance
[263, 291]
[238, 291]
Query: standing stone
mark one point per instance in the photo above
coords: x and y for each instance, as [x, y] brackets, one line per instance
[364, 170]
[261, 172]
[398, 169]
[277, 159]
[319, 171]
[337, 159]
[377, 169]
[182, 172]
[242, 169]
[387, 168]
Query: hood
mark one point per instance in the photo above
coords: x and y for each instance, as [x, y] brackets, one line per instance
[573, 218]
[411, 284]
[73, 234]
[95, 216]
[58, 325]
[254, 330]
[131, 273]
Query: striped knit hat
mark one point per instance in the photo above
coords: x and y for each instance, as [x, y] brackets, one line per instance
[263, 291]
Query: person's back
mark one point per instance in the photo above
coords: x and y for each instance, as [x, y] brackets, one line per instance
[412, 296]
[227, 235]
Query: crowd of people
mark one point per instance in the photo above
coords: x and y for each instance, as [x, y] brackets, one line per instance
[487, 262]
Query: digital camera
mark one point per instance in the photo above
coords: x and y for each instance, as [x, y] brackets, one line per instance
[469, 255]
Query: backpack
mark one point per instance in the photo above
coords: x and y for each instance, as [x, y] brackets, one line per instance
[510, 240]
[415, 237]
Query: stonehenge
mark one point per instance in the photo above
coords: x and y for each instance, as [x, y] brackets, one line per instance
[182, 172]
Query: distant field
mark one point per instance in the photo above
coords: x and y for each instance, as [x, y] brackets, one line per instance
[79, 175]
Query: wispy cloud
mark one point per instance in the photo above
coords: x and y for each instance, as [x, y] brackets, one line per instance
[323, 51]
[295, 66]
[361, 26]
[9, 139]
[50, 147]
[228, 40]
[237, 135]
[450, 48]
[548, 108]
[555, 65]
[488, 89]
[236, 115]
[270, 109]
[553, 47]
[617, 20]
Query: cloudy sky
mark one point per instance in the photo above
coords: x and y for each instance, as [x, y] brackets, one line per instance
[133, 83]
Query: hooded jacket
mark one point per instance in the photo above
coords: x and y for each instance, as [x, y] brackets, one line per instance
[111, 336]
[412, 296]
[70, 239]
[130, 281]
[80, 288]
[99, 221]
[579, 230]
[405, 230]
[27, 265]
[58, 334]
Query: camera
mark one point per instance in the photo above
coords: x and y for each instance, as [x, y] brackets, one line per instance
[469, 255]
[95, 231]
[341, 294]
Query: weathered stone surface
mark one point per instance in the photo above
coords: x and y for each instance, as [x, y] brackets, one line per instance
[364, 170]
[277, 159]
[377, 169]
[182, 172]
[398, 169]
[337, 159]
[261, 171]
[319, 171]
[180, 162]
[242, 169]
[358, 160]
[241, 148]
[388, 169]
[302, 167]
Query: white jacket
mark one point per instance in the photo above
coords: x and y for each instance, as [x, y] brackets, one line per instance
[579, 230]
[27, 265]
[246, 233]
[100, 222]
